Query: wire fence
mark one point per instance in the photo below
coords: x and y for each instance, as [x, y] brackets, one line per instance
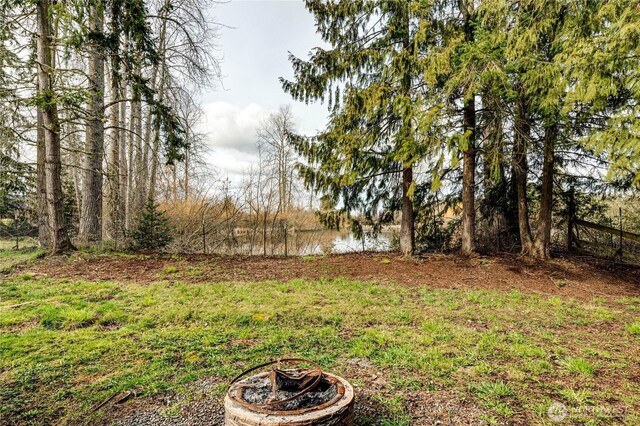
[17, 235]
[604, 241]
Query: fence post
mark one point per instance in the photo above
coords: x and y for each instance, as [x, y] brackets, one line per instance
[264, 233]
[621, 231]
[572, 216]
[204, 236]
[286, 242]
[17, 228]
[613, 247]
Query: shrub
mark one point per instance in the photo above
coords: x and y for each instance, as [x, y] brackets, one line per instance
[152, 230]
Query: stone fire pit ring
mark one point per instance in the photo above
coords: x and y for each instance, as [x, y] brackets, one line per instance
[314, 398]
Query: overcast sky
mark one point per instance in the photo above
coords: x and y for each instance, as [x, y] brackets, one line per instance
[255, 54]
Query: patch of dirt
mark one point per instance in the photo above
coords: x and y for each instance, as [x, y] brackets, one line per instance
[565, 276]
[200, 409]
[204, 412]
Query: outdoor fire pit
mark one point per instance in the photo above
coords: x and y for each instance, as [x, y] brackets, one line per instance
[292, 397]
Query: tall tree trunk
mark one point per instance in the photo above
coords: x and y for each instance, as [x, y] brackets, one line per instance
[186, 169]
[155, 150]
[469, 153]
[60, 242]
[135, 187]
[130, 173]
[542, 242]
[130, 210]
[158, 69]
[522, 130]
[74, 161]
[282, 177]
[469, 181]
[407, 234]
[264, 233]
[43, 216]
[91, 215]
[123, 179]
[174, 182]
[144, 170]
[407, 226]
[140, 192]
[112, 222]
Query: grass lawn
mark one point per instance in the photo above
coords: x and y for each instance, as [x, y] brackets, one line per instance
[9, 244]
[10, 257]
[503, 356]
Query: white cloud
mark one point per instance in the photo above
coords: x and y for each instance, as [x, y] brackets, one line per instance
[255, 55]
[231, 128]
[231, 134]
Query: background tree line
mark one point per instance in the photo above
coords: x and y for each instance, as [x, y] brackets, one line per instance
[105, 92]
[498, 107]
[104, 95]
[469, 123]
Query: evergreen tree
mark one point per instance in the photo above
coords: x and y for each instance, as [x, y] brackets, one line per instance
[91, 217]
[152, 231]
[15, 184]
[47, 100]
[602, 60]
[364, 161]
[561, 103]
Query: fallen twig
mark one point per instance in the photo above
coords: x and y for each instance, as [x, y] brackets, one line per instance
[121, 397]
[17, 305]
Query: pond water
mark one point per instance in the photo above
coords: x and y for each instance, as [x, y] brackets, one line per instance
[330, 241]
[294, 242]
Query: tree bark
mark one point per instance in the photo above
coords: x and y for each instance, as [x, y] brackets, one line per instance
[155, 150]
[123, 178]
[158, 69]
[91, 215]
[407, 234]
[144, 170]
[130, 209]
[469, 181]
[140, 185]
[522, 130]
[186, 170]
[60, 241]
[407, 226]
[542, 242]
[41, 182]
[112, 222]
[469, 154]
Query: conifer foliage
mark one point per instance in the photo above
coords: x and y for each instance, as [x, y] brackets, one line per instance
[152, 231]
[370, 77]
[519, 97]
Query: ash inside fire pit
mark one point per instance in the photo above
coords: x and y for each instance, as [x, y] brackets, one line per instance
[295, 397]
[258, 390]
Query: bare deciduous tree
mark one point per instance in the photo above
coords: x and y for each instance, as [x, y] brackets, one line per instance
[279, 156]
